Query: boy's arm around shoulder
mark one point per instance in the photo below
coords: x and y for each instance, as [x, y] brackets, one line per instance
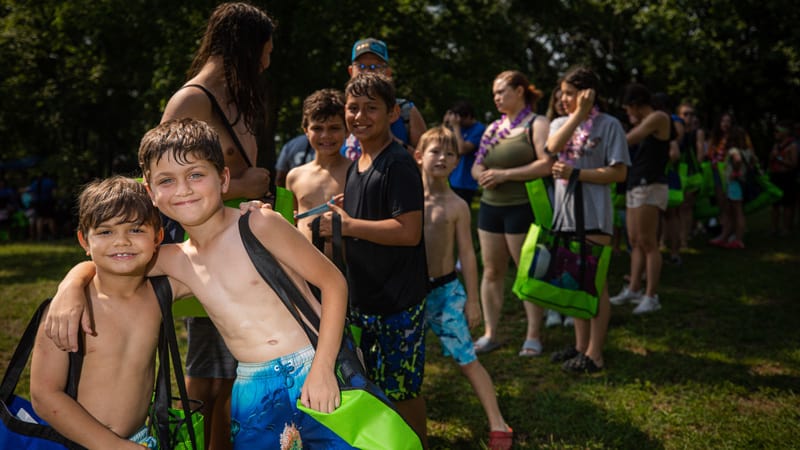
[469, 264]
[288, 246]
[67, 311]
[49, 369]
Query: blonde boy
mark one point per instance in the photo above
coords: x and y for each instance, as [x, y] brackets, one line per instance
[447, 228]
[185, 174]
[120, 229]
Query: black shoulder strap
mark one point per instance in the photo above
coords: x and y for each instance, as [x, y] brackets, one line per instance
[336, 240]
[23, 351]
[225, 122]
[278, 280]
[529, 129]
[168, 348]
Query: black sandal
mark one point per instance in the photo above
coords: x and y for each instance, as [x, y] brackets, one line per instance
[563, 355]
[581, 364]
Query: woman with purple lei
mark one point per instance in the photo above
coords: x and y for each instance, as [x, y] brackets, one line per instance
[511, 152]
[591, 147]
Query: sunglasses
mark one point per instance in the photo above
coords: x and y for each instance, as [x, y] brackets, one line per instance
[370, 67]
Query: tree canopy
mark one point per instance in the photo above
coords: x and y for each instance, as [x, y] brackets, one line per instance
[81, 81]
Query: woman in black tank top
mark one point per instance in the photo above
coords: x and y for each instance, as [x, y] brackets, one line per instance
[646, 196]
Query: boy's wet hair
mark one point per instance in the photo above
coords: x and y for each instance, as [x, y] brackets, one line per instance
[180, 139]
[373, 85]
[117, 199]
[322, 105]
[443, 137]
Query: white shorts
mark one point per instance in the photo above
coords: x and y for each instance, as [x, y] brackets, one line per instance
[650, 194]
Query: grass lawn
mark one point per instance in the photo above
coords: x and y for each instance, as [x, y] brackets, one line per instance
[717, 367]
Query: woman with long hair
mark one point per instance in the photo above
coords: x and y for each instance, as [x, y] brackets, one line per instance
[511, 152]
[590, 147]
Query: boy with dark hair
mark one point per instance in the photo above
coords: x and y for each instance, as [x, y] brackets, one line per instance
[371, 55]
[224, 89]
[318, 181]
[185, 174]
[447, 228]
[120, 230]
[382, 229]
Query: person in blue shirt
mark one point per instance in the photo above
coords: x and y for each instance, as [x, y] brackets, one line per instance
[468, 130]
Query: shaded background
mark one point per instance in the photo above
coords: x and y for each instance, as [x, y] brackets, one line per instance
[81, 81]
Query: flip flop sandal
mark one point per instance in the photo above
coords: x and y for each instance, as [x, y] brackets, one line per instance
[485, 345]
[501, 440]
[531, 347]
[563, 355]
[581, 364]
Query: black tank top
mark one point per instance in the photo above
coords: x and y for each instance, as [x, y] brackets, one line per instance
[649, 163]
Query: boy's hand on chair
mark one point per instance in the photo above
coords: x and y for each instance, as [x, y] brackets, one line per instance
[320, 391]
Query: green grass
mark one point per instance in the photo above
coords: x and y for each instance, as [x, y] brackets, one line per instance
[717, 367]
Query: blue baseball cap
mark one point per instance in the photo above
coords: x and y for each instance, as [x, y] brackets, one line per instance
[370, 45]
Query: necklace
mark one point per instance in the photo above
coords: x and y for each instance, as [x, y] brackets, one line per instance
[493, 136]
[580, 136]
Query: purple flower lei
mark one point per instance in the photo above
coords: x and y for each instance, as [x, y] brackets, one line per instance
[493, 136]
[573, 149]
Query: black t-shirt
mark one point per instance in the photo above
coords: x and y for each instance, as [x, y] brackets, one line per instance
[385, 279]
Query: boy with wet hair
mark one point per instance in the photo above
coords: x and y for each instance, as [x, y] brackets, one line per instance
[120, 230]
[184, 172]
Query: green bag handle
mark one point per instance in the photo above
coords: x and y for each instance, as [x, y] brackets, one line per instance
[540, 202]
[284, 203]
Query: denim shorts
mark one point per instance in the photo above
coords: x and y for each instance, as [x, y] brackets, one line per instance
[655, 194]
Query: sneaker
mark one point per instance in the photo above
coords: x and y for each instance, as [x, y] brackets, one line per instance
[648, 305]
[553, 319]
[569, 321]
[625, 296]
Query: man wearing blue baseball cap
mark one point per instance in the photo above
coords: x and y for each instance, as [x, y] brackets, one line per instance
[371, 55]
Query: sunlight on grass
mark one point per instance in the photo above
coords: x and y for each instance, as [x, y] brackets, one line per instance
[717, 367]
[779, 257]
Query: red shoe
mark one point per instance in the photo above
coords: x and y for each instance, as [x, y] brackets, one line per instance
[718, 242]
[737, 244]
[501, 440]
